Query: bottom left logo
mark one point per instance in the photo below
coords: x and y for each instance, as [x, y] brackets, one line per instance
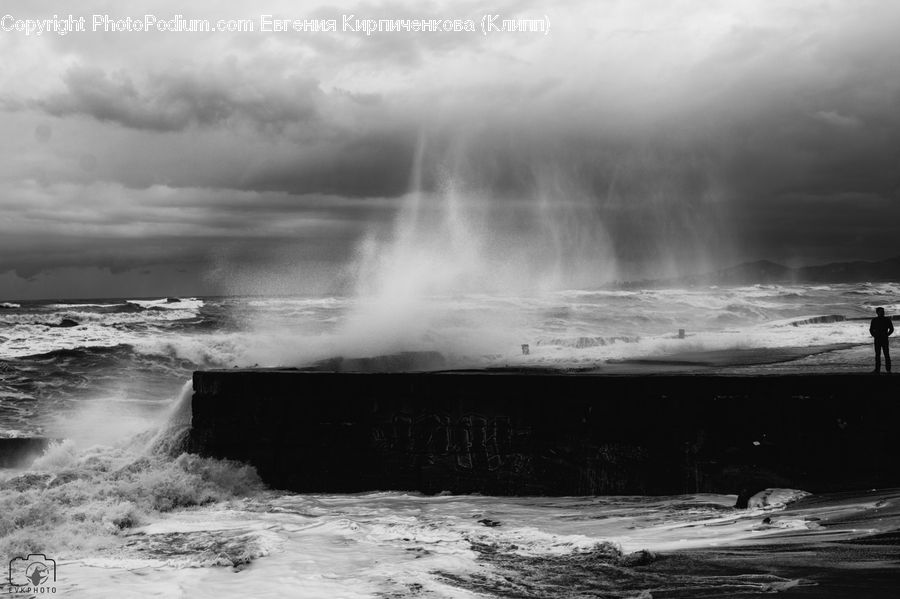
[37, 572]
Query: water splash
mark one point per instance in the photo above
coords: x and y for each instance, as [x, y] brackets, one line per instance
[81, 497]
[457, 234]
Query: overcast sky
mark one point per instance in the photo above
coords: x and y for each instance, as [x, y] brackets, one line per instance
[635, 137]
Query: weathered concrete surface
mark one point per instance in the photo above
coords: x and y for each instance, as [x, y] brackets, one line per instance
[550, 433]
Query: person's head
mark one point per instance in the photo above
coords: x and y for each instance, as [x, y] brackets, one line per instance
[879, 311]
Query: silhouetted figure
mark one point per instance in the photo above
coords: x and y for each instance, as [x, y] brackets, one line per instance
[881, 328]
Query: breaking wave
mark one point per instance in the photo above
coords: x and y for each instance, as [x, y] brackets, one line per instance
[82, 352]
[585, 342]
[820, 320]
[87, 499]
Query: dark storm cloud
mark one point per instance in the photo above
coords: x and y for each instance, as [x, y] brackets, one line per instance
[365, 166]
[121, 255]
[114, 255]
[172, 101]
[739, 129]
[837, 227]
[118, 228]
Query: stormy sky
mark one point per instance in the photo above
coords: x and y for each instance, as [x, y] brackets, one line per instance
[638, 136]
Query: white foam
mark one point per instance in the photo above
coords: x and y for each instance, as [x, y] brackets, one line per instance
[81, 305]
[188, 303]
[389, 543]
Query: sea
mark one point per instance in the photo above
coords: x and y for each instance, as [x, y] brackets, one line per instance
[122, 513]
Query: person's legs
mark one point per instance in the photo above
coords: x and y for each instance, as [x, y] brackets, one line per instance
[887, 355]
[877, 355]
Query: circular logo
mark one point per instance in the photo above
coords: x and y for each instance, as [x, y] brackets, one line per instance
[37, 573]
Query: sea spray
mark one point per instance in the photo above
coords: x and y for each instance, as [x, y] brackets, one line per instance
[82, 500]
[170, 437]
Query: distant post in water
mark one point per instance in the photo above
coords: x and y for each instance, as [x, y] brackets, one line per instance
[681, 333]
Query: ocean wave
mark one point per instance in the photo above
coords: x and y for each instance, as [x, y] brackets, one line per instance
[303, 302]
[187, 353]
[82, 352]
[116, 316]
[80, 305]
[171, 303]
[771, 499]
[207, 350]
[604, 571]
[751, 310]
[819, 320]
[585, 342]
[97, 309]
[128, 315]
[77, 499]
[871, 289]
[83, 500]
[9, 305]
[126, 308]
[192, 549]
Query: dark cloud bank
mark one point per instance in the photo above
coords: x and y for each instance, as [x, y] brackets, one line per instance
[648, 144]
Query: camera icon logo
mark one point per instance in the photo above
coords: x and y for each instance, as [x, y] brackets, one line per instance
[33, 571]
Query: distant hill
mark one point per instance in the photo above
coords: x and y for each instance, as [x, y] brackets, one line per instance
[852, 272]
[762, 271]
[765, 271]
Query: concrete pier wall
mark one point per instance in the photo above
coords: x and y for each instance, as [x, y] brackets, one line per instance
[21, 451]
[519, 433]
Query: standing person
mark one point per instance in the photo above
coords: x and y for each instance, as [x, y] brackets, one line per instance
[881, 328]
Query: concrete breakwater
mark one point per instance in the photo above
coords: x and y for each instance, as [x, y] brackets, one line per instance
[550, 433]
[21, 451]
